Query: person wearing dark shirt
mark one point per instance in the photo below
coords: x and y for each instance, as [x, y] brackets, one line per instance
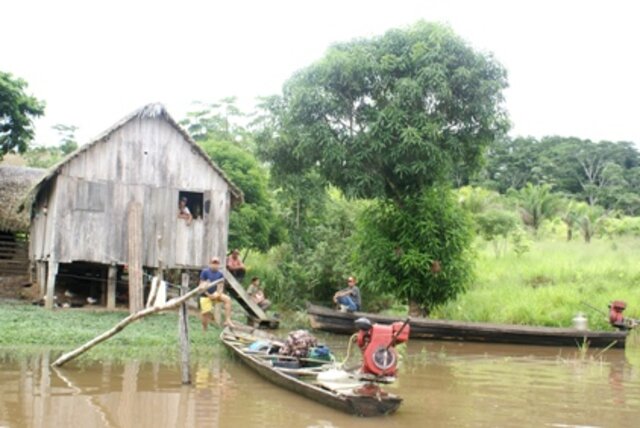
[350, 296]
[213, 294]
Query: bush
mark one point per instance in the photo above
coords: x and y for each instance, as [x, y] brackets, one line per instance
[418, 252]
[625, 226]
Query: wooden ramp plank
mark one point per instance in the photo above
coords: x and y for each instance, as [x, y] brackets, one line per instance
[251, 307]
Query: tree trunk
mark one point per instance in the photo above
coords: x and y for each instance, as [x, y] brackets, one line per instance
[183, 333]
[415, 310]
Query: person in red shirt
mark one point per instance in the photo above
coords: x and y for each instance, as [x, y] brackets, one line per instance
[235, 265]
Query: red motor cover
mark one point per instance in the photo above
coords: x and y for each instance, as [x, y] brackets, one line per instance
[404, 332]
[379, 358]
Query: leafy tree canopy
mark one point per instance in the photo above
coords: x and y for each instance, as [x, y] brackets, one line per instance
[17, 110]
[391, 115]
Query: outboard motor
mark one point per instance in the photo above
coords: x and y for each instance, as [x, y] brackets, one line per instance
[377, 342]
[616, 308]
[617, 319]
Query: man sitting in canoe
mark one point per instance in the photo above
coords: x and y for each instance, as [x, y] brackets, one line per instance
[349, 297]
[213, 294]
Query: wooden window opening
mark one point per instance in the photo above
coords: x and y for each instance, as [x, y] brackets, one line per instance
[195, 203]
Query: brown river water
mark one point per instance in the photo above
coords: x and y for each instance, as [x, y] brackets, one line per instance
[443, 385]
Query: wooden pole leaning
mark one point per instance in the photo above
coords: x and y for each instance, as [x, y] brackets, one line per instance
[156, 284]
[134, 221]
[171, 304]
[183, 331]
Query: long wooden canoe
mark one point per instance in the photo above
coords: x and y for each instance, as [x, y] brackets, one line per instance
[354, 397]
[334, 321]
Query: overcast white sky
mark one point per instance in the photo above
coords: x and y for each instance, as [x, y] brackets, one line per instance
[573, 66]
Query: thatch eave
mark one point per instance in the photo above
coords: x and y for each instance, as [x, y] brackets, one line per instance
[15, 184]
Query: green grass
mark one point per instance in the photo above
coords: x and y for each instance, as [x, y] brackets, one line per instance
[154, 338]
[547, 285]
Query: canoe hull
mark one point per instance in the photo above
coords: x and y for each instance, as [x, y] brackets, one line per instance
[422, 328]
[360, 405]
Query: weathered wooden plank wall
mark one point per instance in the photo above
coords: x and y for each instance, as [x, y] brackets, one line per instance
[147, 161]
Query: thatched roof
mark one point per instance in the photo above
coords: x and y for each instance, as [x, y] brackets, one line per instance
[153, 111]
[15, 183]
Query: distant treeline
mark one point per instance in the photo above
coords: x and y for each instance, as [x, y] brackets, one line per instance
[601, 173]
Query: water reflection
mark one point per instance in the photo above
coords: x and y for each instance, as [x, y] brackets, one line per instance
[443, 385]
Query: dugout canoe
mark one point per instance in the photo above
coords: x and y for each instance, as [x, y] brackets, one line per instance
[355, 397]
[334, 321]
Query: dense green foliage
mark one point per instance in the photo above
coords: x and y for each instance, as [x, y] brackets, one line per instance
[536, 203]
[17, 111]
[391, 119]
[604, 173]
[389, 116]
[420, 253]
[255, 224]
[314, 266]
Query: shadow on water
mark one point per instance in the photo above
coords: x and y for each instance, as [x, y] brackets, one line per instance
[443, 384]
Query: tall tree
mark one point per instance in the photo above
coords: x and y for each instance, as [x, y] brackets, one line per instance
[301, 194]
[390, 117]
[17, 111]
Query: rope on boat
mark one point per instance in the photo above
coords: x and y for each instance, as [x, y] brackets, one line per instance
[351, 340]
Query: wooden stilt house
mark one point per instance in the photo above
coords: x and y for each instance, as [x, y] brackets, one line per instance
[119, 195]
